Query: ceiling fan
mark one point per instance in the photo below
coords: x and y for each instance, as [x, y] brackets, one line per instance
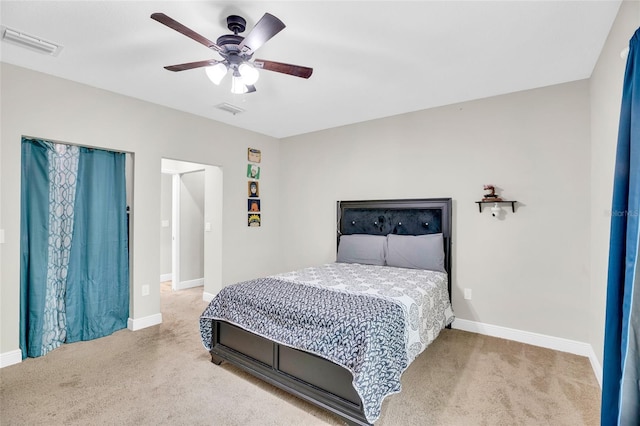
[236, 51]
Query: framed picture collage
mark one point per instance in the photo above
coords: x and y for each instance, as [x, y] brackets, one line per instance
[254, 209]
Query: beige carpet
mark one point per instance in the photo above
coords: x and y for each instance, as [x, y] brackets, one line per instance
[162, 375]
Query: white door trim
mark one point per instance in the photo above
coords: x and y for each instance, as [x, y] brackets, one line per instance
[175, 230]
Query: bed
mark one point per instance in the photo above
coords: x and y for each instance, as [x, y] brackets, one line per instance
[340, 335]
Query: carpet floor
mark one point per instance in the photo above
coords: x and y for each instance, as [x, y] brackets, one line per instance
[162, 375]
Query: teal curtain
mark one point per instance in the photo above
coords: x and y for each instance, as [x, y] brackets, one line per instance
[97, 299]
[34, 231]
[74, 270]
[621, 366]
[49, 175]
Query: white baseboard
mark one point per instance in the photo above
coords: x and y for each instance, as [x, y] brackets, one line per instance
[207, 297]
[189, 284]
[595, 365]
[10, 358]
[535, 339]
[166, 277]
[555, 343]
[135, 324]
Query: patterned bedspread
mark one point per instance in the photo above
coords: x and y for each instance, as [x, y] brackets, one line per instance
[372, 320]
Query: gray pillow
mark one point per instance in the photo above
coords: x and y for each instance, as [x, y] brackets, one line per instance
[362, 248]
[416, 252]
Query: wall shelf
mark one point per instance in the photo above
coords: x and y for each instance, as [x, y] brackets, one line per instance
[481, 203]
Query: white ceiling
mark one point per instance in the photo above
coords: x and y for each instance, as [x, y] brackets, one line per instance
[371, 59]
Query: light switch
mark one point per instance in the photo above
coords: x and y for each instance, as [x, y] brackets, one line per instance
[207, 226]
[467, 294]
[165, 223]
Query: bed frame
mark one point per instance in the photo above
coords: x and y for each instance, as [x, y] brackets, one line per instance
[308, 376]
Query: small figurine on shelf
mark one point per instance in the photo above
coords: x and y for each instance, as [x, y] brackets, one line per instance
[491, 196]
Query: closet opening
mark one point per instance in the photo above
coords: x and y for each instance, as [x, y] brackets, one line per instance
[74, 252]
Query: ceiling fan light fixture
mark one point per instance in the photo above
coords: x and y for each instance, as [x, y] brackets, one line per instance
[249, 74]
[216, 73]
[237, 85]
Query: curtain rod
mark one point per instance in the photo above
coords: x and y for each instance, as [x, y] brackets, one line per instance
[76, 144]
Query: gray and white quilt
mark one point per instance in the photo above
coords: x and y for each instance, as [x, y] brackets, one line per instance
[372, 320]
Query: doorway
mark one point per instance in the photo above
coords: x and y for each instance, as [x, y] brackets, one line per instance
[191, 225]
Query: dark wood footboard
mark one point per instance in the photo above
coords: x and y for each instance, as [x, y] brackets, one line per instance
[302, 374]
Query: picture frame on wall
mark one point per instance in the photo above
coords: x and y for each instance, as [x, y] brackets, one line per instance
[253, 189]
[254, 155]
[254, 219]
[253, 205]
[253, 171]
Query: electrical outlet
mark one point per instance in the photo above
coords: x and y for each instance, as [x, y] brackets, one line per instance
[145, 290]
[467, 294]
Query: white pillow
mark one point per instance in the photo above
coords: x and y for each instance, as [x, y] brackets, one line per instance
[362, 248]
[416, 251]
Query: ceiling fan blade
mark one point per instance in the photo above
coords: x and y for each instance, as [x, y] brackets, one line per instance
[265, 28]
[295, 70]
[175, 25]
[192, 65]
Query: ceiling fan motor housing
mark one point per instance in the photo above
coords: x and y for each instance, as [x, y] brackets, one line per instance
[236, 24]
[229, 40]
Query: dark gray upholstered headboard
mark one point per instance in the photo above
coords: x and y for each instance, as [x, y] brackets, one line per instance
[403, 217]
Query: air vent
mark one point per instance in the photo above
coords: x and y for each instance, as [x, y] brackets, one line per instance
[30, 42]
[230, 108]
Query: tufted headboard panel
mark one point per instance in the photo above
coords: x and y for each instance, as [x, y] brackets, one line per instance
[403, 217]
[383, 221]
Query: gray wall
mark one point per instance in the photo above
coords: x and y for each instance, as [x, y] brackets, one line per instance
[166, 182]
[192, 226]
[606, 96]
[529, 271]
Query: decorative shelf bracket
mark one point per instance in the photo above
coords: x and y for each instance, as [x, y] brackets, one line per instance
[481, 203]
